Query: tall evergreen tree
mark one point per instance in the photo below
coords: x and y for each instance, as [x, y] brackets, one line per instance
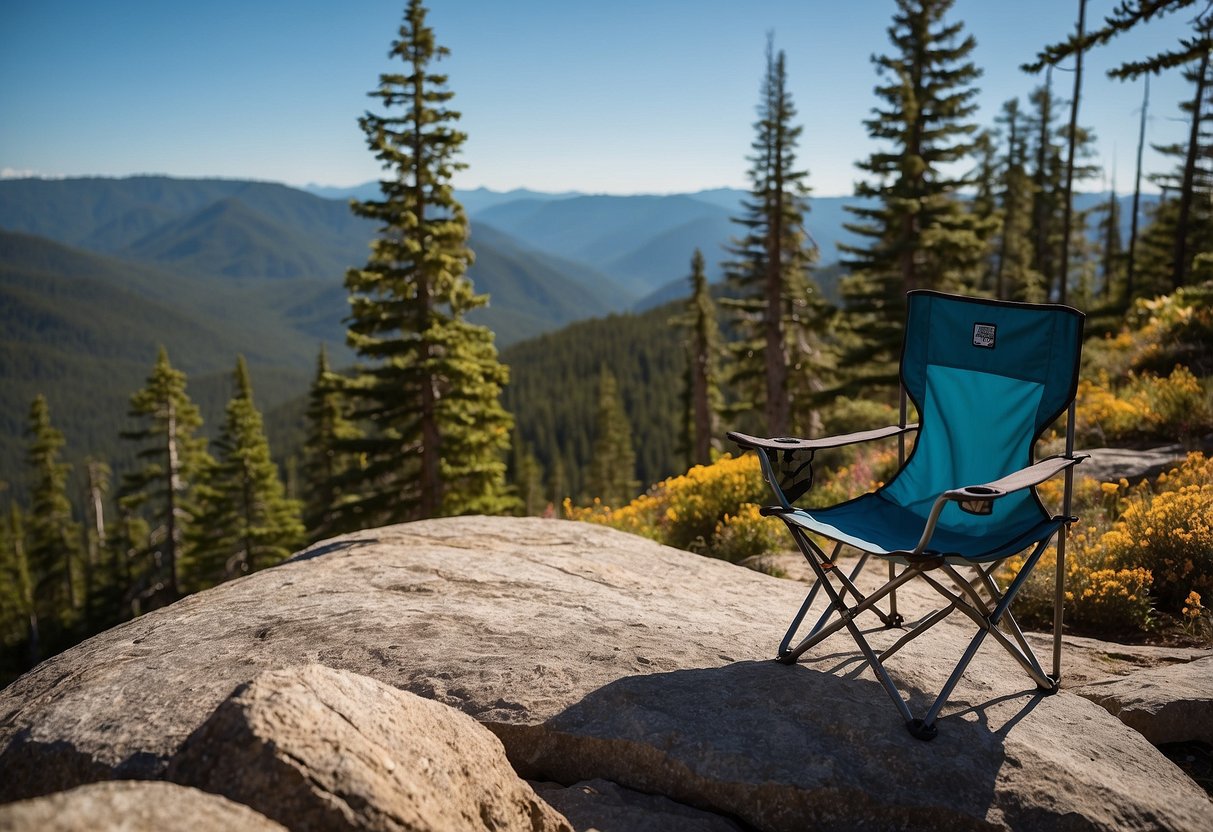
[1160, 245]
[985, 205]
[1014, 277]
[612, 474]
[1046, 181]
[1189, 209]
[919, 235]
[97, 485]
[1109, 233]
[54, 538]
[1077, 46]
[247, 523]
[1131, 265]
[774, 302]
[1194, 49]
[1129, 15]
[432, 389]
[526, 475]
[701, 397]
[325, 462]
[173, 460]
[127, 540]
[19, 611]
[1049, 156]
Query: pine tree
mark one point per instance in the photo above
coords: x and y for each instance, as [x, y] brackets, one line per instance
[1131, 265]
[432, 392]
[54, 538]
[1110, 259]
[248, 523]
[1049, 168]
[701, 397]
[1191, 51]
[558, 488]
[1190, 209]
[1157, 267]
[920, 235]
[1014, 277]
[325, 463]
[1129, 15]
[774, 302]
[526, 475]
[18, 612]
[613, 464]
[173, 460]
[1046, 183]
[96, 584]
[985, 203]
[128, 542]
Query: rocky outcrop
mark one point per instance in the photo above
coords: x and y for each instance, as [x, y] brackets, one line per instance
[1115, 464]
[595, 654]
[132, 806]
[322, 749]
[1163, 704]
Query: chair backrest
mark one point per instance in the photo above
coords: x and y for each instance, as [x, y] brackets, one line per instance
[988, 377]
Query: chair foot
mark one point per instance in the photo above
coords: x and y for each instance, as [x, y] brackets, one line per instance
[786, 658]
[921, 731]
[895, 621]
[1051, 689]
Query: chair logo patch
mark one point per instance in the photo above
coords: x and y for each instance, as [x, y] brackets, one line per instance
[984, 335]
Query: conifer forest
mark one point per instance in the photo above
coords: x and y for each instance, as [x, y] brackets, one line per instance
[427, 413]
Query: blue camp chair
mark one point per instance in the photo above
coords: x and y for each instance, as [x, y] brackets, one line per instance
[987, 378]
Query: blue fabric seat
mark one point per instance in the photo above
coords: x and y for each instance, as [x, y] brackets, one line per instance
[876, 525]
[987, 378]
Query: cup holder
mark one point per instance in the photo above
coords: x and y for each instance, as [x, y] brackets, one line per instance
[981, 491]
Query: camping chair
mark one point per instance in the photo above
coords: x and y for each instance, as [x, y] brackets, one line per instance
[987, 378]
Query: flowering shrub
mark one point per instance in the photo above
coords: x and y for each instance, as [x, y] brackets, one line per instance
[713, 509]
[1158, 334]
[686, 511]
[1098, 598]
[1194, 613]
[1145, 406]
[746, 533]
[1171, 532]
[1152, 379]
[1141, 549]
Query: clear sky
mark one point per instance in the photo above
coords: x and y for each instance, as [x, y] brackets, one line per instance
[602, 96]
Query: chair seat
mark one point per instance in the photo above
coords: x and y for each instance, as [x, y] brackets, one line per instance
[876, 525]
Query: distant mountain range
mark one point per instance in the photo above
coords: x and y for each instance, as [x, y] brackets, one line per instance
[96, 273]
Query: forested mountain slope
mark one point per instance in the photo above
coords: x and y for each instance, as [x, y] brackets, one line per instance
[553, 391]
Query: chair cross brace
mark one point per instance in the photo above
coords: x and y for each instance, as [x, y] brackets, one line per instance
[992, 616]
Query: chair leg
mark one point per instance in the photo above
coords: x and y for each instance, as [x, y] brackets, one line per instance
[837, 605]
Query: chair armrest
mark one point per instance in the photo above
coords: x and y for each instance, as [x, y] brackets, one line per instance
[769, 451]
[979, 499]
[788, 443]
[1021, 479]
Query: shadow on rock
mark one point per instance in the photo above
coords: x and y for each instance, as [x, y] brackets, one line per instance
[778, 747]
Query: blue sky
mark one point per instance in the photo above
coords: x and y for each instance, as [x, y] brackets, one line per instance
[605, 97]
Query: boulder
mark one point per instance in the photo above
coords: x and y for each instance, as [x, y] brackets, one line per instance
[321, 749]
[603, 806]
[1114, 464]
[132, 806]
[1163, 704]
[596, 654]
